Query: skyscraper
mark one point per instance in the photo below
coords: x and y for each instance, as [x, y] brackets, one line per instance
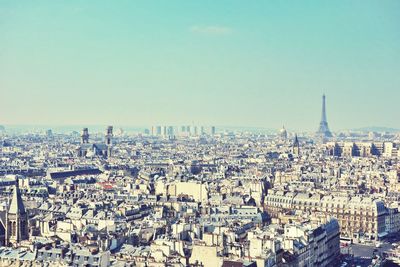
[158, 130]
[213, 130]
[323, 130]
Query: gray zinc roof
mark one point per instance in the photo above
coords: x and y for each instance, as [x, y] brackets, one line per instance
[17, 205]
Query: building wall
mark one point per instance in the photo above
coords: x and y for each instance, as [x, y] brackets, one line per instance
[355, 215]
[207, 255]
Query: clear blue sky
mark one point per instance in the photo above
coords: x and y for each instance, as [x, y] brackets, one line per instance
[238, 63]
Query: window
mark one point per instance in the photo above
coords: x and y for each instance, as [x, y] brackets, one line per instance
[14, 228]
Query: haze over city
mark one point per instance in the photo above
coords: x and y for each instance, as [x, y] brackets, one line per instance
[231, 63]
[199, 133]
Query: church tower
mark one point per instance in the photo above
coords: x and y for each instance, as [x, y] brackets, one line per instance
[109, 136]
[85, 136]
[296, 146]
[16, 218]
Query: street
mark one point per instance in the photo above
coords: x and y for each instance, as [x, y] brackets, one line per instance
[362, 254]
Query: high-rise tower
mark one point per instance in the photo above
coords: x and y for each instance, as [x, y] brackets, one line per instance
[323, 130]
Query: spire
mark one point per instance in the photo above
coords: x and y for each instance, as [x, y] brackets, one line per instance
[323, 130]
[296, 146]
[296, 141]
[323, 115]
[16, 204]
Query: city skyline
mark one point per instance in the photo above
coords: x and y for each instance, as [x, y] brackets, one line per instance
[236, 64]
[199, 133]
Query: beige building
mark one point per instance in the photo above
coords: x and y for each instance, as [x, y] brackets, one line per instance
[195, 190]
[205, 255]
[356, 149]
[359, 217]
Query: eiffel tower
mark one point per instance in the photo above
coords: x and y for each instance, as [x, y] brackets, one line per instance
[323, 130]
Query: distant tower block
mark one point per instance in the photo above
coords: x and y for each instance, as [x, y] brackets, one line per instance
[213, 131]
[85, 136]
[109, 136]
[323, 130]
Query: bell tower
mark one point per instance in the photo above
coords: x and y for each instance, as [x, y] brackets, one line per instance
[85, 136]
[16, 218]
[109, 136]
[296, 146]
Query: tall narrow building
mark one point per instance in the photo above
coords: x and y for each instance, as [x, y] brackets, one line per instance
[109, 137]
[296, 146]
[17, 219]
[283, 134]
[323, 130]
[85, 136]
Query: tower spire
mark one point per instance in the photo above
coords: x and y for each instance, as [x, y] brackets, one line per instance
[323, 130]
[323, 115]
[16, 219]
[16, 204]
[296, 146]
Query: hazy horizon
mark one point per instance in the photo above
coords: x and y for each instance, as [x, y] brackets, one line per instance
[100, 128]
[244, 64]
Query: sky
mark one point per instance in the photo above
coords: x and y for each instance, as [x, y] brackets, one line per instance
[231, 63]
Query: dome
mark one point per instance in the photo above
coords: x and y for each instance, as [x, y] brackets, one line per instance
[283, 133]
